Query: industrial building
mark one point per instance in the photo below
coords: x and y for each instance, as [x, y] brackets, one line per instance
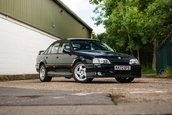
[27, 26]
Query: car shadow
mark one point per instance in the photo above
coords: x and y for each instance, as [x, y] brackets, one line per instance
[112, 82]
[97, 82]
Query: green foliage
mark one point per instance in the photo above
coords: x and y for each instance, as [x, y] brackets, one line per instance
[101, 36]
[167, 72]
[95, 1]
[147, 70]
[158, 21]
[132, 25]
[98, 10]
[125, 25]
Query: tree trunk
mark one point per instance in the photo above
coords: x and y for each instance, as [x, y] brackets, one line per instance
[129, 39]
[138, 55]
[154, 55]
[131, 51]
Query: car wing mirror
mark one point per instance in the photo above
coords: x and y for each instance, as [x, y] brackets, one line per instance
[41, 52]
[65, 50]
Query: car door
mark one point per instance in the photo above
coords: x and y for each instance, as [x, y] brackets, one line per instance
[51, 55]
[64, 60]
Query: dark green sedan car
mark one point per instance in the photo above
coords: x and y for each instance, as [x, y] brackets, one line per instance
[85, 59]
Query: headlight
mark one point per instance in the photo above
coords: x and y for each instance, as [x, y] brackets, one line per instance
[134, 61]
[101, 60]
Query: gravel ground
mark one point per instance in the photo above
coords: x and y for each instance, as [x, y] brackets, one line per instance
[141, 90]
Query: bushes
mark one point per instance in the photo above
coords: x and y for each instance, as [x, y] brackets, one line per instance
[167, 72]
[146, 70]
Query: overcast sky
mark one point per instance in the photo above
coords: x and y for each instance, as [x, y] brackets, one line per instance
[85, 11]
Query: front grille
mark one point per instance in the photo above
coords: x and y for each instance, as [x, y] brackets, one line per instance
[120, 63]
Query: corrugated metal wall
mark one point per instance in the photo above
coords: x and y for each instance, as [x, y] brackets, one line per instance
[19, 46]
[45, 15]
[164, 57]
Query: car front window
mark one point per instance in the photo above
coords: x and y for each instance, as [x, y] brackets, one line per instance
[64, 45]
[55, 47]
[90, 45]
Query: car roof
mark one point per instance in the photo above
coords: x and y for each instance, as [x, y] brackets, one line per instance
[80, 39]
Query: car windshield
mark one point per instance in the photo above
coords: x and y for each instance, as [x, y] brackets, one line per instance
[90, 45]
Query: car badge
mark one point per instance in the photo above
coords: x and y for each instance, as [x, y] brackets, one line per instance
[119, 57]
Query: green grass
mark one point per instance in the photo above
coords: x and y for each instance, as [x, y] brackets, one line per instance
[167, 73]
[146, 70]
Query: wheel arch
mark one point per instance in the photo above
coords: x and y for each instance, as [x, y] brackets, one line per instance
[42, 62]
[79, 59]
[76, 61]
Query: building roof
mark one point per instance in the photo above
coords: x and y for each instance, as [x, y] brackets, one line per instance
[68, 10]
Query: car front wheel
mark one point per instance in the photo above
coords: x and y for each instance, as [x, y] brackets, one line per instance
[124, 79]
[43, 74]
[79, 73]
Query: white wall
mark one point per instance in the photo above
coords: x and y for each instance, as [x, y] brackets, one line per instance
[19, 46]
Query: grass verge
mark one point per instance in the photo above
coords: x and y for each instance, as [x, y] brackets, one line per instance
[18, 77]
[147, 70]
[167, 73]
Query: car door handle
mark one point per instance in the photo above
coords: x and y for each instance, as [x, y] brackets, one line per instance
[46, 57]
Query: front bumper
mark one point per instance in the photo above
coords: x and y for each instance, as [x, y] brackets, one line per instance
[37, 67]
[107, 70]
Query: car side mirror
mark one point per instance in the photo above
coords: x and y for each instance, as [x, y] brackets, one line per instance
[65, 50]
[41, 52]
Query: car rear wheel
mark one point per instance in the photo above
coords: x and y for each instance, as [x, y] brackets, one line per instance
[124, 79]
[43, 74]
[79, 73]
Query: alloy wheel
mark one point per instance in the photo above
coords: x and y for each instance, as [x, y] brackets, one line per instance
[42, 73]
[80, 72]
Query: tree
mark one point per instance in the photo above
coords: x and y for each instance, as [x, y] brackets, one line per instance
[130, 24]
[158, 24]
[122, 23]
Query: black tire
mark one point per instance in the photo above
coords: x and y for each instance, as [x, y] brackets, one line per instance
[124, 79]
[43, 74]
[80, 77]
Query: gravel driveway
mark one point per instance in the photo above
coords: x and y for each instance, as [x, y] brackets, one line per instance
[141, 90]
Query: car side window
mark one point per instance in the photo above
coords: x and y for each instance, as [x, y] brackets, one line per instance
[48, 50]
[55, 48]
[64, 45]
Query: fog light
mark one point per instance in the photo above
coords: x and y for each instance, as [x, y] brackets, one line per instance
[99, 73]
